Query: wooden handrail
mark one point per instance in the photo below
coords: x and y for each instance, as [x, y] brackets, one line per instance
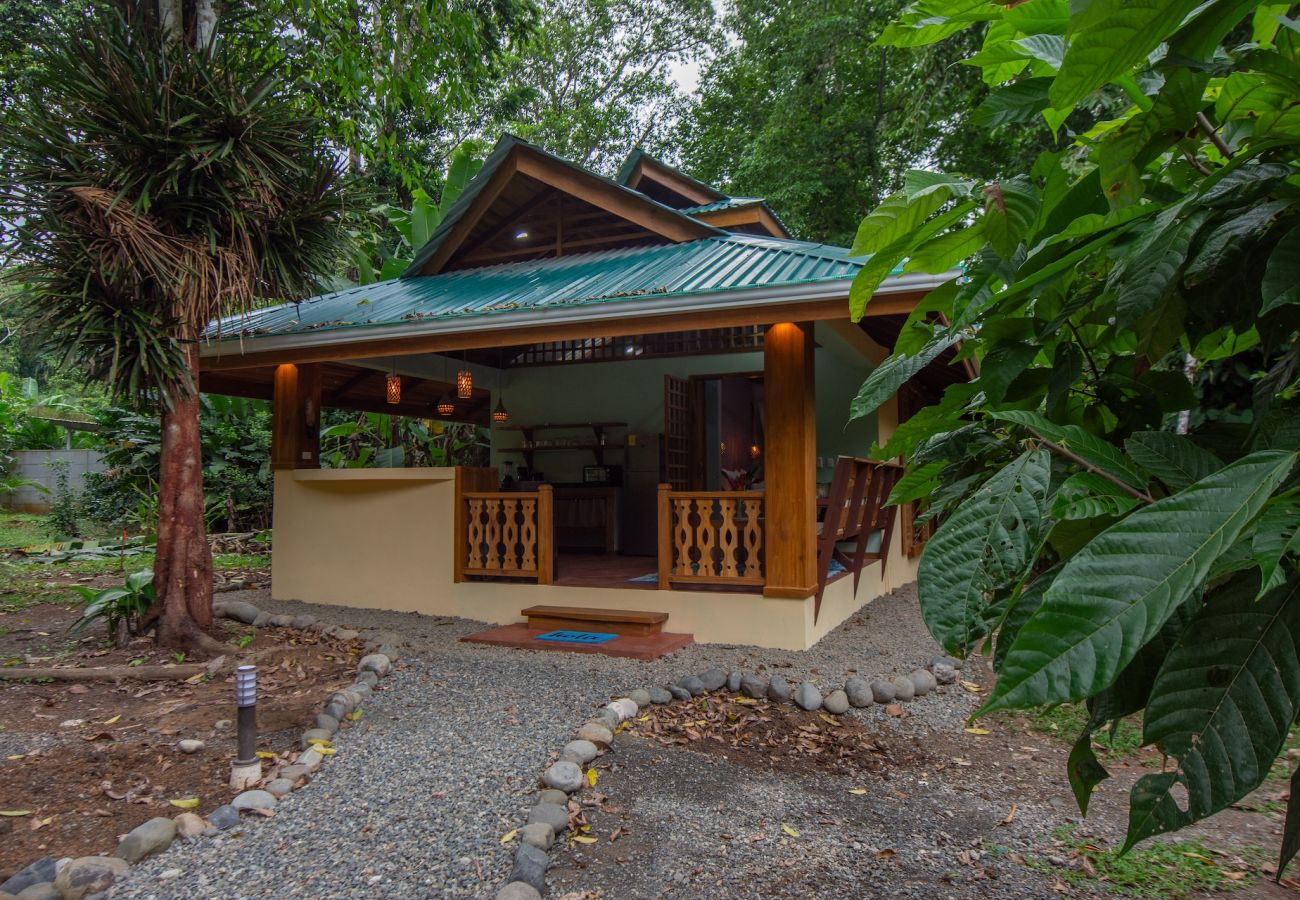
[507, 534]
[710, 537]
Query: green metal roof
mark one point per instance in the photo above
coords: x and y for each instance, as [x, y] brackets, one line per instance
[728, 262]
[629, 165]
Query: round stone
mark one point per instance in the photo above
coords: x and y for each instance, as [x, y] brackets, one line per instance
[858, 691]
[224, 818]
[253, 800]
[146, 839]
[778, 689]
[625, 707]
[923, 682]
[189, 825]
[563, 776]
[551, 795]
[303, 621]
[89, 875]
[375, 662]
[607, 717]
[262, 619]
[659, 696]
[279, 787]
[518, 890]
[529, 868]
[189, 745]
[281, 621]
[368, 678]
[539, 834]
[42, 890]
[713, 679]
[326, 722]
[596, 733]
[883, 691]
[904, 690]
[836, 702]
[316, 734]
[753, 687]
[641, 697]
[808, 697]
[944, 674]
[942, 660]
[734, 679]
[551, 815]
[581, 752]
[679, 693]
[692, 684]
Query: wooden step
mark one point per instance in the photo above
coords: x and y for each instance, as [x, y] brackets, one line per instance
[585, 618]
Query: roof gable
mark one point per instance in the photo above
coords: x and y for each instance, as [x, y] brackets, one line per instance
[662, 182]
[526, 203]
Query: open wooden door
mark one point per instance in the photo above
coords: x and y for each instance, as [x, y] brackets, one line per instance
[678, 431]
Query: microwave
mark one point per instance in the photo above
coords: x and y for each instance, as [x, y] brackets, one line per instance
[611, 475]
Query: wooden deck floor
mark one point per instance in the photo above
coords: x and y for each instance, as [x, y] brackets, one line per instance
[576, 569]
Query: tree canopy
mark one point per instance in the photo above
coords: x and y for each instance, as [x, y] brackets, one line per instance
[802, 109]
[1116, 491]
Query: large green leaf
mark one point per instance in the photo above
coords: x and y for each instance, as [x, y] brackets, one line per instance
[916, 483]
[1023, 605]
[877, 268]
[1173, 458]
[1277, 534]
[1010, 208]
[1281, 284]
[1116, 592]
[1152, 261]
[1084, 444]
[1017, 102]
[894, 372]
[1222, 705]
[1110, 37]
[1086, 495]
[896, 217]
[986, 545]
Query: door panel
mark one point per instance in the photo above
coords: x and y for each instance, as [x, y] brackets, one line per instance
[678, 432]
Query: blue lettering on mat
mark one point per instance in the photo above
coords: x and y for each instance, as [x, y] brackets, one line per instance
[576, 637]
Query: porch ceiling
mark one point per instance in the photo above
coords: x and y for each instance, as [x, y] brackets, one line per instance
[358, 388]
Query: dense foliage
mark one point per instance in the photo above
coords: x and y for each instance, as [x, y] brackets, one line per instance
[803, 110]
[1117, 488]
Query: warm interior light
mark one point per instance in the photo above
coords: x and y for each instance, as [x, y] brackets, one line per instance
[499, 414]
[521, 236]
[446, 406]
[754, 451]
[464, 384]
[394, 388]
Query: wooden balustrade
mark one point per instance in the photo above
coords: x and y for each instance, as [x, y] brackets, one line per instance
[506, 534]
[710, 537]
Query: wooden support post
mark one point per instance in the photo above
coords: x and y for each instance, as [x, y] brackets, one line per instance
[665, 537]
[790, 433]
[545, 534]
[295, 417]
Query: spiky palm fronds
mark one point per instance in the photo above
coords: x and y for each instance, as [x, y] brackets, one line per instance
[151, 188]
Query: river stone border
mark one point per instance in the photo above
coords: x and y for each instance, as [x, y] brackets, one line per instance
[568, 771]
[73, 879]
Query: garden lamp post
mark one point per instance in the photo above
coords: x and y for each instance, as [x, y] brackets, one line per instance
[246, 770]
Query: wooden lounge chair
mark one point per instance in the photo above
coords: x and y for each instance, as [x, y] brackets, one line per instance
[855, 510]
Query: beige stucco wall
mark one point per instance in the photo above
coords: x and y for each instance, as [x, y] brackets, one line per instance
[383, 538]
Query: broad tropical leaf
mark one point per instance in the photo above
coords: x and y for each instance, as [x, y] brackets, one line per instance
[1086, 495]
[1222, 705]
[1017, 102]
[916, 483]
[1173, 458]
[1084, 444]
[1116, 593]
[894, 372]
[1107, 39]
[1281, 284]
[1022, 607]
[1276, 535]
[988, 543]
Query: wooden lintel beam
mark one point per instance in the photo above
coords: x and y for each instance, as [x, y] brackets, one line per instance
[480, 204]
[484, 339]
[348, 385]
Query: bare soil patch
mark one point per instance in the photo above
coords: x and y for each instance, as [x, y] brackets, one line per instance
[89, 761]
[766, 735]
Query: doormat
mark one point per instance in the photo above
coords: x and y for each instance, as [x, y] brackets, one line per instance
[576, 637]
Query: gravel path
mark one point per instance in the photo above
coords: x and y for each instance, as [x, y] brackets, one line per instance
[447, 756]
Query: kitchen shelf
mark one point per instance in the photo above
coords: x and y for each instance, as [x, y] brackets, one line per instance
[596, 447]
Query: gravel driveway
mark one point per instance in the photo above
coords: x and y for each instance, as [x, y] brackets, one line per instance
[447, 756]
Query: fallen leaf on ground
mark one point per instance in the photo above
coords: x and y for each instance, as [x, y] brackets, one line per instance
[38, 824]
[584, 839]
[1011, 816]
[617, 833]
[15, 812]
[509, 835]
[886, 853]
[971, 686]
[894, 709]
[857, 791]
[977, 731]
[187, 803]
[265, 754]
[789, 830]
[591, 777]
[113, 721]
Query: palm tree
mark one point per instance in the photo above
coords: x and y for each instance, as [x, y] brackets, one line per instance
[153, 183]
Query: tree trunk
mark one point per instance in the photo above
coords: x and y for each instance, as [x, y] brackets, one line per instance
[183, 565]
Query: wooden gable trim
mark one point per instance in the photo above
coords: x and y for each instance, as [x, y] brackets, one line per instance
[610, 197]
[754, 214]
[646, 168]
[831, 308]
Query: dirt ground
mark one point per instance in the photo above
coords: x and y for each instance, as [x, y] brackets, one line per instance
[88, 761]
[834, 806]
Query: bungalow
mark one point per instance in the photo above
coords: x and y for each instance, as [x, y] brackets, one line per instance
[666, 376]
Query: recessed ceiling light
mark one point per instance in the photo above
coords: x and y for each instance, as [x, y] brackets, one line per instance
[521, 236]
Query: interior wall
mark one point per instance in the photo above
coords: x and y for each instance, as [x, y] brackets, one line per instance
[632, 391]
